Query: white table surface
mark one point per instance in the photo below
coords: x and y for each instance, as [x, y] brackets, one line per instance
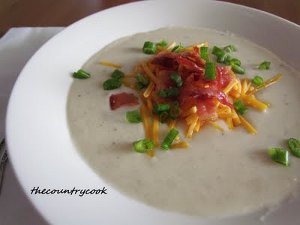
[16, 47]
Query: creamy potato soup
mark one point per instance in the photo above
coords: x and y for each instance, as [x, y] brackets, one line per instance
[221, 173]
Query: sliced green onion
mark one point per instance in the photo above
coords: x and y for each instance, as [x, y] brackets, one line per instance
[237, 69]
[133, 116]
[240, 107]
[162, 110]
[167, 111]
[217, 51]
[224, 58]
[164, 116]
[204, 53]
[149, 48]
[178, 48]
[223, 54]
[230, 48]
[169, 139]
[235, 61]
[143, 145]
[169, 92]
[174, 110]
[139, 85]
[117, 74]
[294, 146]
[111, 84]
[163, 93]
[265, 65]
[257, 80]
[279, 155]
[81, 74]
[162, 43]
[177, 79]
[115, 81]
[142, 81]
[210, 71]
[159, 108]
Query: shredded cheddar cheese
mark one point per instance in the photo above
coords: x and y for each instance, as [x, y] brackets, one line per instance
[247, 125]
[155, 131]
[149, 90]
[110, 64]
[150, 74]
[182, 145]
[146, 121]
[217, 126]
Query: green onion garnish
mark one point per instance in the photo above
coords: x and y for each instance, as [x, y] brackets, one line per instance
[139, 86]
[174, 110]
[164, 116]
[237, 69]
[235, 61]
[159, 108]
[265, 65]
[167, 111]
[210, 71]
[257, 80]
[142, 81]
[169, 92]
[169, 139]
[143, 145]
[223, 54]
[279, 155]
[115, 81]
[230, 48]
[162, 43]
[162, 110]
[217, 51]
[240, 107]
[149, 48]
[111, 84]
[177, 79]
[224, 58]
[236, 66]
[81, 74]
[204, 53]
[117, 74]
[177, 48]
[294, 146]
[133, 116]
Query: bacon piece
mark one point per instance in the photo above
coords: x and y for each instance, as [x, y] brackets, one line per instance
[166, 60]
[189, 64]
[223, 77]
[222, 97]
[122, 99]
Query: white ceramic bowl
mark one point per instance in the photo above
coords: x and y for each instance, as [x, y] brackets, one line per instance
[39, 142]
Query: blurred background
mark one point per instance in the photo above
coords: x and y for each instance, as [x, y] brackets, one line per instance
[18, 13]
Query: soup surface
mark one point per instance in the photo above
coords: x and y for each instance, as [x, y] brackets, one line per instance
[220, 174]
